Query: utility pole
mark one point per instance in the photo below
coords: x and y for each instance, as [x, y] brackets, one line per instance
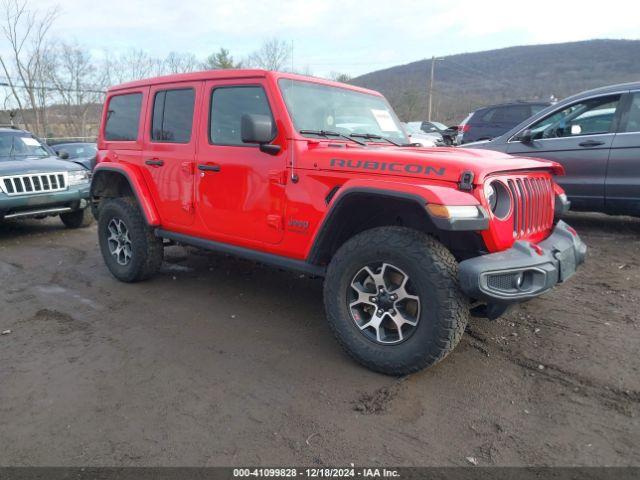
[433, 71]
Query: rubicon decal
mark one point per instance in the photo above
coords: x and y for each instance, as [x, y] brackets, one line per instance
[391, 167]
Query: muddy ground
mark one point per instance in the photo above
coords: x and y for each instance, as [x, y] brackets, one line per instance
[219, 361]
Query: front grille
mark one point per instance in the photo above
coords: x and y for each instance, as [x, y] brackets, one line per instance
[533, 200]
[34, 183]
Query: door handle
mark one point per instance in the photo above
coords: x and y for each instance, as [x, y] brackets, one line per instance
[591, 143]
[154, 162]
[209, 168]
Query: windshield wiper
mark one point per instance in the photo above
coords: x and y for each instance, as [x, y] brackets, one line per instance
[373, 136]
[330, 133]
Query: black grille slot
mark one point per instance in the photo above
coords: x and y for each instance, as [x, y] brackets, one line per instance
[35, 183]
[504, 282]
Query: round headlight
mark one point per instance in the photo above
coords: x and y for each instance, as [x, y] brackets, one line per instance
[490, 194]
[498, 198]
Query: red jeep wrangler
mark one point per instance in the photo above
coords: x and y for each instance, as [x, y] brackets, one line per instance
[319, 177]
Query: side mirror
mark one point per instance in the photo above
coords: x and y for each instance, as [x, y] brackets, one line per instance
[526, 136]
[258, 129]
[63, 154]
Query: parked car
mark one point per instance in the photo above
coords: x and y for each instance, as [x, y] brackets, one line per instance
[262, 165]
[35, 183]
[595, 135]
[83, 153]
[490, 122]
[432, 127]
[416, 135]
[448, 133]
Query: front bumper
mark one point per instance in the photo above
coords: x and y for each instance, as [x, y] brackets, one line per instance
[523, 271]
[74, 197]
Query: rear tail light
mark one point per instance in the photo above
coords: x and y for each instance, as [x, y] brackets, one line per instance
[464, 128]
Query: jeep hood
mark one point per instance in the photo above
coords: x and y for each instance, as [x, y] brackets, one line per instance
[21, 166]
[445, 164]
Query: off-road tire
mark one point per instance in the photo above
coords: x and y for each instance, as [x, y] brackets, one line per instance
[147, 250]
[444, 309]
[77, 219]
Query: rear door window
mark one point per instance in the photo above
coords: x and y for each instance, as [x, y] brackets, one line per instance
[633, 116]
[513, 114]
[173, 116]
[123, 117]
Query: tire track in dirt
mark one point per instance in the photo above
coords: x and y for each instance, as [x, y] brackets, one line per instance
[626, 402]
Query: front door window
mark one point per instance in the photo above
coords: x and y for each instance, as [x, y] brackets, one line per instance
[589, 117]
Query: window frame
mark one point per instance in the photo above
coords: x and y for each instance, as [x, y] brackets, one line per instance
[140, 116]
[615, 124]
[152, 112]
[210, 115]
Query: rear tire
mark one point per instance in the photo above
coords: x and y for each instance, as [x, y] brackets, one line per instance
[129, 247]
[77, 219]
[432, 319]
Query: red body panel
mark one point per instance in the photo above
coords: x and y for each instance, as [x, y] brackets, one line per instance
[253, 202]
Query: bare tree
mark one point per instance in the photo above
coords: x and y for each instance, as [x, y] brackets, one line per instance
[134, 64]
[180, 63]
[26, 66]
[272, 55]
[78, 87]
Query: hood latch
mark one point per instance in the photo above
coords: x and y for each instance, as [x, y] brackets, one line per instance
[466, 180]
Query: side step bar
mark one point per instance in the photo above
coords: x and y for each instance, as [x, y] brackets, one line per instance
[35, 213]
[266, 258]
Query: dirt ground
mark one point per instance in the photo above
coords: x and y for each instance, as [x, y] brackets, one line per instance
[219, 361]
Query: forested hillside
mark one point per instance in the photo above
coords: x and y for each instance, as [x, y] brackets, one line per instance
[466, 81]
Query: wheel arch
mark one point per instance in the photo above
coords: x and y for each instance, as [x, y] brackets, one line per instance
[362, 208]
[112, 182]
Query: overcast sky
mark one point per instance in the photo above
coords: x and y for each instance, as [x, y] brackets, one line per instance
[339, 35]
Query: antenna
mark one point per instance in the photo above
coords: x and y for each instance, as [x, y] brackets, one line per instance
[291, 56]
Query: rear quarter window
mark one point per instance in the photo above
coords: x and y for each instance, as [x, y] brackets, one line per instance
[123, 117]
[482, 116]
[513, 114]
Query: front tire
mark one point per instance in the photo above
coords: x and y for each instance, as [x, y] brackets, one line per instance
[77, 219]
[129, 247]
[392, 300]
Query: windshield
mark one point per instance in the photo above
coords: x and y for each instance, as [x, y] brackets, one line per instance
[325, 108]
[20, 145]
